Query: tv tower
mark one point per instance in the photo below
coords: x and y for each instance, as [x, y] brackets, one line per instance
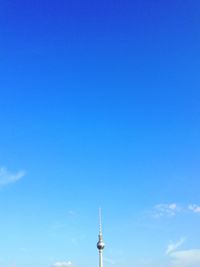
[100, 243]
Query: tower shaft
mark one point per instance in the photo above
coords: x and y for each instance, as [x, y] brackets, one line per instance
[100, 258]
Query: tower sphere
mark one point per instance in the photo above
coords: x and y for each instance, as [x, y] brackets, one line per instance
[100, 245]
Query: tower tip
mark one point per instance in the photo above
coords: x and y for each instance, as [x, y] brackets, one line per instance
[100, 224]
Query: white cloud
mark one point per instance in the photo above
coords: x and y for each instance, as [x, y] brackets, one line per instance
[185, 258]
[182, 258]
[169, 210]
[62, 264]
[7, 177]
[165, 210]
[173, 246]
[195, 208]
[109, 261]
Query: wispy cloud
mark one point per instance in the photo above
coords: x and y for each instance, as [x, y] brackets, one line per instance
[71, 213]
[173, 246]
[62, 264]
[172, 209]
[185, 258]
[194, 208]
[8, 177]
[109, 261]
[182, 258]
[169, 210]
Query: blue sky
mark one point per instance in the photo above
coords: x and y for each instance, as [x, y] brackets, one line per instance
[99, 106]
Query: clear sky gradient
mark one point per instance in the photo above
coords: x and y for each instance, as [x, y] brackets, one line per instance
[99, 106]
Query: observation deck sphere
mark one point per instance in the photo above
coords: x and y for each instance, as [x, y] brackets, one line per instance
[100, 245]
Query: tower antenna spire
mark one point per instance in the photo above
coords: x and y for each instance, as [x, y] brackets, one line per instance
[100, 223]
